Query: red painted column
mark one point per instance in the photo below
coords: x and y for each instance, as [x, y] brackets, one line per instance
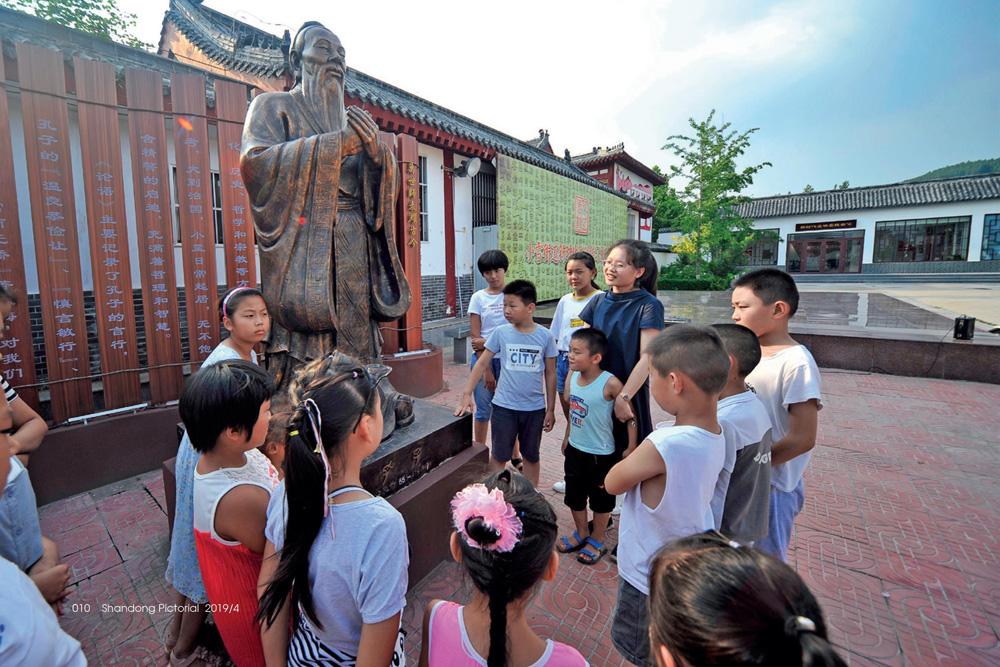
[409, 238]
[449, 231]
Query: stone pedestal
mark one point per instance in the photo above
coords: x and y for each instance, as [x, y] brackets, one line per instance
[434, 436]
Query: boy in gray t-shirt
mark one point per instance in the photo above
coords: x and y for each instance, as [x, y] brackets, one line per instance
[741, 500]
[524, 402]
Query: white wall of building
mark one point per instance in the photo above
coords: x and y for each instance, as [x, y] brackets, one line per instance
[432, 260]
[867, 219]
[463, 221]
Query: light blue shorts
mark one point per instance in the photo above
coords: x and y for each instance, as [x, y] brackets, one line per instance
[20, 532]
[562, 371]
[785, 506]
[482, 395]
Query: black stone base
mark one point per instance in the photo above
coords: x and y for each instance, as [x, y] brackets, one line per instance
[434, 436]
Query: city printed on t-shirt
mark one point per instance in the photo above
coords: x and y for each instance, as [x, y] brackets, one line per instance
[522, 358]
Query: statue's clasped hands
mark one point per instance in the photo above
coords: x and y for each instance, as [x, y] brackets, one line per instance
[362, 123]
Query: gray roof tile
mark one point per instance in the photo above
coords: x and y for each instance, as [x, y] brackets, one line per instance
[969, 188]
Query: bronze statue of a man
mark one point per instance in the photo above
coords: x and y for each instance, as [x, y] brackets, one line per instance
[322, 192]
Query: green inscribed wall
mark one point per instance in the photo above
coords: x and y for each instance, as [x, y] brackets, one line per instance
[545, 217]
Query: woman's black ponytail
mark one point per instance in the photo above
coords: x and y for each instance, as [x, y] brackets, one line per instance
[508, 576]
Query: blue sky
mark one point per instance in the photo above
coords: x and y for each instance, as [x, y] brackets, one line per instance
[872, 91]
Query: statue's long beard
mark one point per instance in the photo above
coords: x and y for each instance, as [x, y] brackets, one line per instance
[326, 94]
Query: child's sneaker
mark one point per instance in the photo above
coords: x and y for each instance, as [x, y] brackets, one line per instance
[560, 487]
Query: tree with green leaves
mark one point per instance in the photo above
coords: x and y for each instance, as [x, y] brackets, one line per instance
[716, 236]
[843, 186]
[97, 17]
[668, 206]
[808, 188]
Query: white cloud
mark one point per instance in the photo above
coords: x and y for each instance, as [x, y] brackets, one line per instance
[591, 72]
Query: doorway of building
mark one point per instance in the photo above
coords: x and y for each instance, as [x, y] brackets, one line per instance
[826, 253]
[484, 218]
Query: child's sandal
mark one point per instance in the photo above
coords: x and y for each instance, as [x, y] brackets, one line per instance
[567, 547]
[592, 552]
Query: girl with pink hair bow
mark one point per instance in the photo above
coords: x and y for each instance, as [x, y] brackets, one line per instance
[505, 534]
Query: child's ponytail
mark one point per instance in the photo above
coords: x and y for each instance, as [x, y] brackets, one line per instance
[715, 603]
[816, 650]
[507, 533]
[305, 478]
[331, 395]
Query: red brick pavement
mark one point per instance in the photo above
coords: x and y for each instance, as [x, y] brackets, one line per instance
[898, 538]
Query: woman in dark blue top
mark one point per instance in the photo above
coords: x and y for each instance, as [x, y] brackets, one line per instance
[630, 316]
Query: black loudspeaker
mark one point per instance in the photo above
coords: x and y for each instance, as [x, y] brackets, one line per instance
[965, 328]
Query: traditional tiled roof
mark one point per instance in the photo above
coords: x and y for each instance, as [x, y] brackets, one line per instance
[233, 44]
[541, 141]
[942, 191]
[242, 47]
[600, 157]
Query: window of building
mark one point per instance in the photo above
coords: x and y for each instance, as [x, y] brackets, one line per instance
[763, 251]
[925, 240]
[216, 206]
[424, 232]
[484, 196]
[991, 237]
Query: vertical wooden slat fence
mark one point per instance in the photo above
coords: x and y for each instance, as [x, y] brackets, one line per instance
[231, 109]
[194, 195]
[17, 362]
[107, 227]
[151, 185]
[53, 214]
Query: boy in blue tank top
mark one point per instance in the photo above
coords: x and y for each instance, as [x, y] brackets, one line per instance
[589, 447]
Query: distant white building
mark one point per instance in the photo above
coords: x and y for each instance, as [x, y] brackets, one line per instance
[947, 226]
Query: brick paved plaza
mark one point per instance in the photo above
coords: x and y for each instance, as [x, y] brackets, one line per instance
[898, 538]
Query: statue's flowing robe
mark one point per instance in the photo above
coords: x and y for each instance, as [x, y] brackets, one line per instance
[326, 283]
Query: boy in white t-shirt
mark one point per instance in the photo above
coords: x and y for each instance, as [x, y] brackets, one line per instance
[742, 494]
[485, 315]
[669, 479]
[787, 381]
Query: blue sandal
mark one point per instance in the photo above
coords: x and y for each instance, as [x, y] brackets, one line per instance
[567, 547]
[592, 551]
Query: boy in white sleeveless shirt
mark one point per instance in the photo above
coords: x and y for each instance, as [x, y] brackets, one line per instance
[787, 381]
[668, 481]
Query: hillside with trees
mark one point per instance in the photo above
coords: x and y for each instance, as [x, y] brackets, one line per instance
[969, 168]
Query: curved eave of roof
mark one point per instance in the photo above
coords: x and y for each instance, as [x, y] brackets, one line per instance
[201, 26]
[592, 161]
[942, 191]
